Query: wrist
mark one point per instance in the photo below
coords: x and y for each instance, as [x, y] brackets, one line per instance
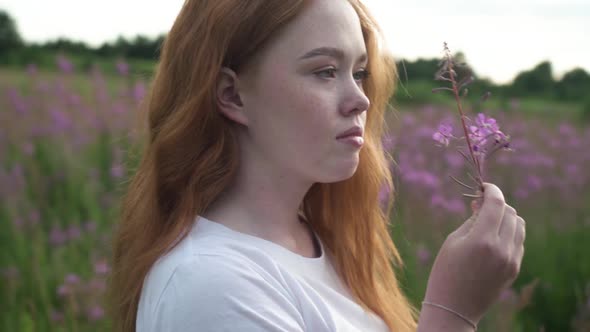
[433, 318]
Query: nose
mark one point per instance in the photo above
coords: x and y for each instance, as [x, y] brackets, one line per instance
[355, 101]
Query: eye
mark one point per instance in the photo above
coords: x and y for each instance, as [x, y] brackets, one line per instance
[361, 75]
[327, 73]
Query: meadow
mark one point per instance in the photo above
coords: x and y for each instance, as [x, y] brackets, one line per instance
[67, 150]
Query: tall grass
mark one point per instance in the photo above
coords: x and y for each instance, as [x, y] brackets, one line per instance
[65, 155]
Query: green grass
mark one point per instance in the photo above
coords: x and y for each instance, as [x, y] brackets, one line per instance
[69, 186]
[419, 92]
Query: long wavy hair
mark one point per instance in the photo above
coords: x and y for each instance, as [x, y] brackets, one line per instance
[190, 155]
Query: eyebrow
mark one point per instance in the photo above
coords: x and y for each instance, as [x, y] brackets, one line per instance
[331, 52]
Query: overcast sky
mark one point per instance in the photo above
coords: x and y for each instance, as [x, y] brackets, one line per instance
[499, 38]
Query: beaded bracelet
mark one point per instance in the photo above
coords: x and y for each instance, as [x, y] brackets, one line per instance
[454, 312]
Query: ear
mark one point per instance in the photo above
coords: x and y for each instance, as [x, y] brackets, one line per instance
[228, 98]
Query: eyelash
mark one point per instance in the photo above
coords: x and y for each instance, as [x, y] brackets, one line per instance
[363, 72]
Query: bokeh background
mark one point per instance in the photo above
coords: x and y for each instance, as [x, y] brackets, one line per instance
[73, 75]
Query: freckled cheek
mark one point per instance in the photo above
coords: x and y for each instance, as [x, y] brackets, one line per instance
[315, 119]
[306, 111]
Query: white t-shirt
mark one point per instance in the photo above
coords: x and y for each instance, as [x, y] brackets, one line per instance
[218, 279]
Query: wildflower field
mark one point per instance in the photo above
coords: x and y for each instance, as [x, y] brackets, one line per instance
[65, 155]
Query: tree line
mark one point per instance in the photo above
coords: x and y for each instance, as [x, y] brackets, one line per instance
[538, 81]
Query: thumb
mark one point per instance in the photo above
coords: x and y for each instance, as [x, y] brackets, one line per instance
[491, 210]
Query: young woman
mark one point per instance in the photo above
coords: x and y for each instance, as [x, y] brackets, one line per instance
[255, 206]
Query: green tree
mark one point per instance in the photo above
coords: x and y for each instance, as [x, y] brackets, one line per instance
[419, 69]
[10, 39]
[574, 85]
[68, 46]
[536, 82]
[462, 67]
[142, 47]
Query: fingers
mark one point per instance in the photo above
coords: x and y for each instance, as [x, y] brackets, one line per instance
[518, 249]
[518, 254]
[519, 237]
[491, 211]
[520, 234]
[508, 226]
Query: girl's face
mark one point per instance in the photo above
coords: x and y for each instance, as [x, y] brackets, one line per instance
[304, 90]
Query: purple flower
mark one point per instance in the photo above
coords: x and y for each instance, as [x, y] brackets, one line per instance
[437, 200]
[445, 131]
[95, 313]
[454, 160]
[72, 279]
[28, 148]
[74, 100]
[482, 136]
[32, 69]
[34, 217]
[430, 180]
[96, 284]
[521, 193]
[388, 142]
[508, 295]
[90, 226]
[101, 267]
[408, 120]
[566, 129]
[64, 290]
[487, 126]
[118, 108]
[117, 170]
[572, 170]
[18, 223]
[486, 137]
[455, 205]
[384, 193]
[423, 255]
[122, 68]
[139, 91]
[534, 182]
[64, 64]
[57, 237]
[74, 232]
[19, 103]
[61, 119]
[56, 316]
[474, 133]
[424, 178]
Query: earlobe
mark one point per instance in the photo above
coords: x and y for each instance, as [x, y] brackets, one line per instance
[228, 98]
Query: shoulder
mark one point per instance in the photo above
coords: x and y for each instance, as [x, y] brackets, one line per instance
[211, 290]
[204, 275]
[204, 258]
[205, 271]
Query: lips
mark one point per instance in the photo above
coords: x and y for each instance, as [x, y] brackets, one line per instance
[351, 132]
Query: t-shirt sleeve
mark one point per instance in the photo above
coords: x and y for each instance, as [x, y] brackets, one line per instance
[213, 293]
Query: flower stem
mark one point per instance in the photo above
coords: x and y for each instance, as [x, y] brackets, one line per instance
[460, 107]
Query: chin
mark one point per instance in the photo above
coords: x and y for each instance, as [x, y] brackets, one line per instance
[339, 175]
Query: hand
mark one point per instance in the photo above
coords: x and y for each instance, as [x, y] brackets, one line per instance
[479, 259]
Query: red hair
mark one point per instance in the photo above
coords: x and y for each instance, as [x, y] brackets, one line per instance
[190, 156]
